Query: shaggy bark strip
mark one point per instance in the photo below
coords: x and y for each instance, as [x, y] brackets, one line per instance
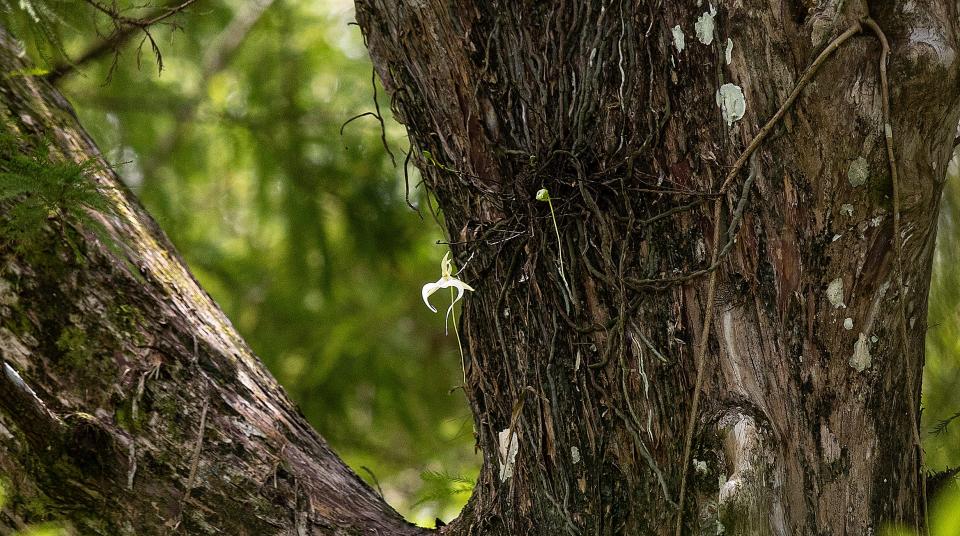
[734, 227]
[627, 113]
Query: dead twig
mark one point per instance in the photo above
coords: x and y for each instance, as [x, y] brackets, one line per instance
[113, 42]
[898, 247]
[124, 28]
[195, 464]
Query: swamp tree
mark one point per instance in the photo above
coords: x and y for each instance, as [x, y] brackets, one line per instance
[745, 199]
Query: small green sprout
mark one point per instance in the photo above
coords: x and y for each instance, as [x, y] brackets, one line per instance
[544, 195]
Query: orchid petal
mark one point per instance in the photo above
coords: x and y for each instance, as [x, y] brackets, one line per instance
[447, 280]
[443, 282]
[446, 266]
[461, 286]
[427, 291]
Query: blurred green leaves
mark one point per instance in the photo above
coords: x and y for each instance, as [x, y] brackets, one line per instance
[44, 188]
[944, 517]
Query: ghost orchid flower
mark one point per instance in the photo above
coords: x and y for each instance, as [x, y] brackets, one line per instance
[447, 280]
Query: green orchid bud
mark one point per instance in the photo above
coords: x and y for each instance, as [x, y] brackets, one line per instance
[543, 195]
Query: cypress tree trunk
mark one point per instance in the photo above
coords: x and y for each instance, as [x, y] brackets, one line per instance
[654, 126]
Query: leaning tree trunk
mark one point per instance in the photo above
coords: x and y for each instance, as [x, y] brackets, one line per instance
[128, 403]
[590, 336]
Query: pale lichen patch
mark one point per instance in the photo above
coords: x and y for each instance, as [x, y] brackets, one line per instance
[732, 103]
[846, 209]
[679, 41]
[860, 360]
[704, 26]
[927, 42]
[728, 53]
[700, 467]
[7, 295]
[848, 323]
[508, 455]
[835, 293]
[575, 455]
[858, 172]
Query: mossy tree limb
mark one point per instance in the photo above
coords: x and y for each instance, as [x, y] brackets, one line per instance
[112, 354]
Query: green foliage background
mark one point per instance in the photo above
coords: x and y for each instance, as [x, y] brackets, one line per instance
[302, 233]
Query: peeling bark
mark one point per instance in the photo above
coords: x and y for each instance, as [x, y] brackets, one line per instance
[631, 118]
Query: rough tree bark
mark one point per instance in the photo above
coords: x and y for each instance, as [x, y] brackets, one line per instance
[585, 349]
[809, 406]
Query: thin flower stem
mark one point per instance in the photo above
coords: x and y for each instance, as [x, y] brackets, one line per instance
[456, 332]
[556, 229]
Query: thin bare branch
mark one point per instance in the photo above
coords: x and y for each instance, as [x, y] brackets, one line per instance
[124, 29]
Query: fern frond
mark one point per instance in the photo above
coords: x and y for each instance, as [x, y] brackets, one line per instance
[941, 426]
[40, 188]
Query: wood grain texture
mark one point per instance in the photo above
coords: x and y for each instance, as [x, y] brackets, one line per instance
[134, 408]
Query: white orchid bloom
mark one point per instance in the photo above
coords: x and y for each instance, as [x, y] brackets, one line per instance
[447, 280]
